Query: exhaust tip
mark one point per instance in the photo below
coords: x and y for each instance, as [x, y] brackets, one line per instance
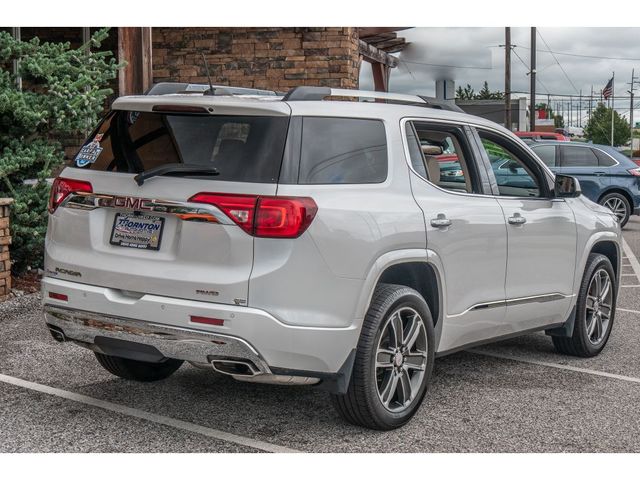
[57, 333]
[241, 368]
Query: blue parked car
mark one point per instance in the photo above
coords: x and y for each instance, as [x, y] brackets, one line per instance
[606, 176]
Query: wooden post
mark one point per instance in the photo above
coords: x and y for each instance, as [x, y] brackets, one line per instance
[380, 77]
[5, 241]
[134, 47]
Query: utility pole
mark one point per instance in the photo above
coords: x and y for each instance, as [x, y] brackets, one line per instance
[633, 81]
[590, 102]
[507, 78]
[533, 79]
[580, 110]
[570, 111]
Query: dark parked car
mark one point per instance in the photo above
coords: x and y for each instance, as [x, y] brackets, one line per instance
[606, 176]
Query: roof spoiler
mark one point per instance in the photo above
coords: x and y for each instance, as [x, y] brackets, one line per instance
[168, 88]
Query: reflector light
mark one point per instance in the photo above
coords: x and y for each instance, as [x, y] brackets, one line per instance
[58, 296]
[207, 321]
[63, 187]
[264, 216]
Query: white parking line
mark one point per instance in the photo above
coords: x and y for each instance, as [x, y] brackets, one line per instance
[629, 286]
[633, 260]
[151, 417]
[558, 366]
[626, 310]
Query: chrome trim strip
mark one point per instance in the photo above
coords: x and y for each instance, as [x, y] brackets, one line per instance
[547, 297]
[173, 342]
[187, 211]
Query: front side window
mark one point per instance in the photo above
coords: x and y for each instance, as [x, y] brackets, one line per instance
[342, 150]
[547, 153]
[515, 178]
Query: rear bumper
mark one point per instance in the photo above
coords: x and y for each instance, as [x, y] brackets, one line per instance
[89, 328]
[93, 313]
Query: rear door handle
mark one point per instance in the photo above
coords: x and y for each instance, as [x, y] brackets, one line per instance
[517, 219]
[440, 221]
[599, 174]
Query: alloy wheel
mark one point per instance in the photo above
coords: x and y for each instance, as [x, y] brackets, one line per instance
[401, 359]
[599, 305]
[617, 206]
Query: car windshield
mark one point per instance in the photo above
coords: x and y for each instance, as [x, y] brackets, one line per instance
[239, 148]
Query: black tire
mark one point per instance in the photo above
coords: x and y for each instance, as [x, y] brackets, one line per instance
[138, 370]
[579, 344]
[362, 405]
[618, 197]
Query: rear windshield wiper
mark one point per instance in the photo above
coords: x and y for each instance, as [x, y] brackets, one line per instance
[175, 169]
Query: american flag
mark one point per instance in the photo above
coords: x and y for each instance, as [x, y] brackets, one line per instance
[608, 89]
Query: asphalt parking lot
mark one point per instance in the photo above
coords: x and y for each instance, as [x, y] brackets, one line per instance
[512, 396]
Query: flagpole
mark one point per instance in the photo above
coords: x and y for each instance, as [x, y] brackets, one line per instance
[613, 104]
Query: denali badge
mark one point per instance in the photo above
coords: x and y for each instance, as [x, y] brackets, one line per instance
[71, 273]
[211, 293]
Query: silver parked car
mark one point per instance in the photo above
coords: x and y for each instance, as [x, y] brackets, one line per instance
[299, 240]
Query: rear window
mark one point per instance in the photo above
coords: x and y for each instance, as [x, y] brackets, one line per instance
[342, 150]
[241, 148]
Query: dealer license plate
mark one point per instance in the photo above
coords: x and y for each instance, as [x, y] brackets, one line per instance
[137, 231]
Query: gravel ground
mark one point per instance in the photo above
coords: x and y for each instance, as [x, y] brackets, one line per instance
[476, 403]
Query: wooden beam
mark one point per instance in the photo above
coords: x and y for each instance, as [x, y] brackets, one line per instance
[375, 55]
[392, 44]
[134, 47]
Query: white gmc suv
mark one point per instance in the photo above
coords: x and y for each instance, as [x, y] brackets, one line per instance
[298, 240]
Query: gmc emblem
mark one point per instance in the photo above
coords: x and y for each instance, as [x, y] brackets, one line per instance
[131, 203]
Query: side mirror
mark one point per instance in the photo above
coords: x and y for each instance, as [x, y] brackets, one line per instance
[567, 187]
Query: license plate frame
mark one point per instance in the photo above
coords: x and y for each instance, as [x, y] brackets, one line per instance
[137, 237]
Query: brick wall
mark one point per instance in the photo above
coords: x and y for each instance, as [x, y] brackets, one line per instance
[5, 241]
[269, 58]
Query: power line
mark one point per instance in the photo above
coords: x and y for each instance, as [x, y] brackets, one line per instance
[527, 67]
[447, 66]
[556, 59]
[626, 59]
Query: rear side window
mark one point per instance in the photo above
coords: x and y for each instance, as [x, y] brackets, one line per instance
[578, 157]
[342, 150]
[547, 153]
[241, 148]
[604, 160]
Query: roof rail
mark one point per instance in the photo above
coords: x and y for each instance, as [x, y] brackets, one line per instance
[320, 93]
[168, 88]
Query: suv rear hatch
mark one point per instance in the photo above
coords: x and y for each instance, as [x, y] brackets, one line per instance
[185, 232]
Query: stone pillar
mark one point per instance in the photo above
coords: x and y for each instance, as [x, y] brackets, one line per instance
[5, 241]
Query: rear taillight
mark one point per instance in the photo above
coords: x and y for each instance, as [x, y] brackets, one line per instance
[264, 216]
[63, 187]
[634, 171]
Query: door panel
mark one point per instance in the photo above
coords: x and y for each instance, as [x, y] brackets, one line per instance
[473, 251]
[541, 238]
[541, 261]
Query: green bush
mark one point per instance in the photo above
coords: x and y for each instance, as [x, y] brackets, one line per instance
[64, 92]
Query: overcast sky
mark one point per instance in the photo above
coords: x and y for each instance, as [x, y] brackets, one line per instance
[472, 56]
